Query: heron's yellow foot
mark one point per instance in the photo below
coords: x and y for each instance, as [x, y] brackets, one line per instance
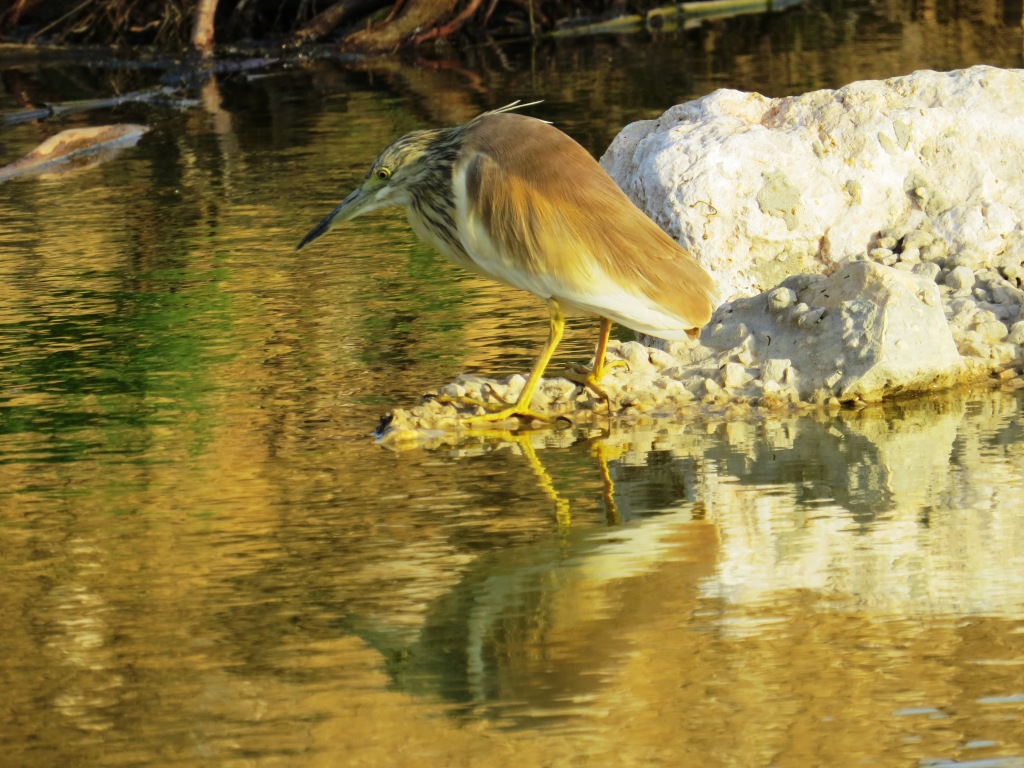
[496, 411]
[590, 377]
[510, 412]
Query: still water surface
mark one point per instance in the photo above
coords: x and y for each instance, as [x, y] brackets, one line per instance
[205, 559]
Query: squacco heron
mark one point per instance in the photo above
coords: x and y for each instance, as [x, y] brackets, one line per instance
[515, 199]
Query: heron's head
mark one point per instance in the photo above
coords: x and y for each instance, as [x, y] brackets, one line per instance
[411, 168]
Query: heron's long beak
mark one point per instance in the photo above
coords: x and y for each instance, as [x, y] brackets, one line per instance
[349, 208]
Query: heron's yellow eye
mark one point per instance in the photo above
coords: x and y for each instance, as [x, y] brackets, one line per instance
[384, 174]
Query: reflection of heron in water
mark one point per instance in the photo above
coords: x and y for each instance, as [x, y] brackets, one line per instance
[531, 633]
[660, 481]
[562, 512]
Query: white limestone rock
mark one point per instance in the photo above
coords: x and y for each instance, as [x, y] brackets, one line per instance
[760, 189]
[864, 332]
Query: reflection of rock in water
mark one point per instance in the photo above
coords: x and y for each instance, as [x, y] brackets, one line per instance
[860, 463]
[919, 516]
[661, 480]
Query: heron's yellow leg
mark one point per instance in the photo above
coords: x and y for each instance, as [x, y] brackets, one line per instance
[600, 368]
[521, 407]
[589, 377]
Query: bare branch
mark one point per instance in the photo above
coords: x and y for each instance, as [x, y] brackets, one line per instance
[334, 16]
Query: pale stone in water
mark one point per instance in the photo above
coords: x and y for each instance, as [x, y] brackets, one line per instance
[736, 179]
[453, 390]
[513, 387]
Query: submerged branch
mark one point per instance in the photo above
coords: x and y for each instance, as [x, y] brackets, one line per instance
[73, 149]
[70, 107]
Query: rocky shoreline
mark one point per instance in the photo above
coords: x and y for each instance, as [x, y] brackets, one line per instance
[858, 266]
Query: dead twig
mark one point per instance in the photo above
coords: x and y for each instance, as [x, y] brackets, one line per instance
[334, 16]
[35, 35]
[448, 28]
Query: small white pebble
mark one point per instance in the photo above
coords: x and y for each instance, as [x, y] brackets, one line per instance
[1003, 354]
[735, 375]
[675, 372]
[917, 238]
[810, 318]
[514, 386]
[660, 359]
[910, 256]
[883, 256]
[960, 278]
[973, 346]
[1016, 335]
[672, 387]
[927, 269]
[991, 331]
[558, 389]
[1004, 293]
[453, 390]
[699, 354]
[966, 258]
[636, 354]
[935, 252]
[775, 369]
[781, 298]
